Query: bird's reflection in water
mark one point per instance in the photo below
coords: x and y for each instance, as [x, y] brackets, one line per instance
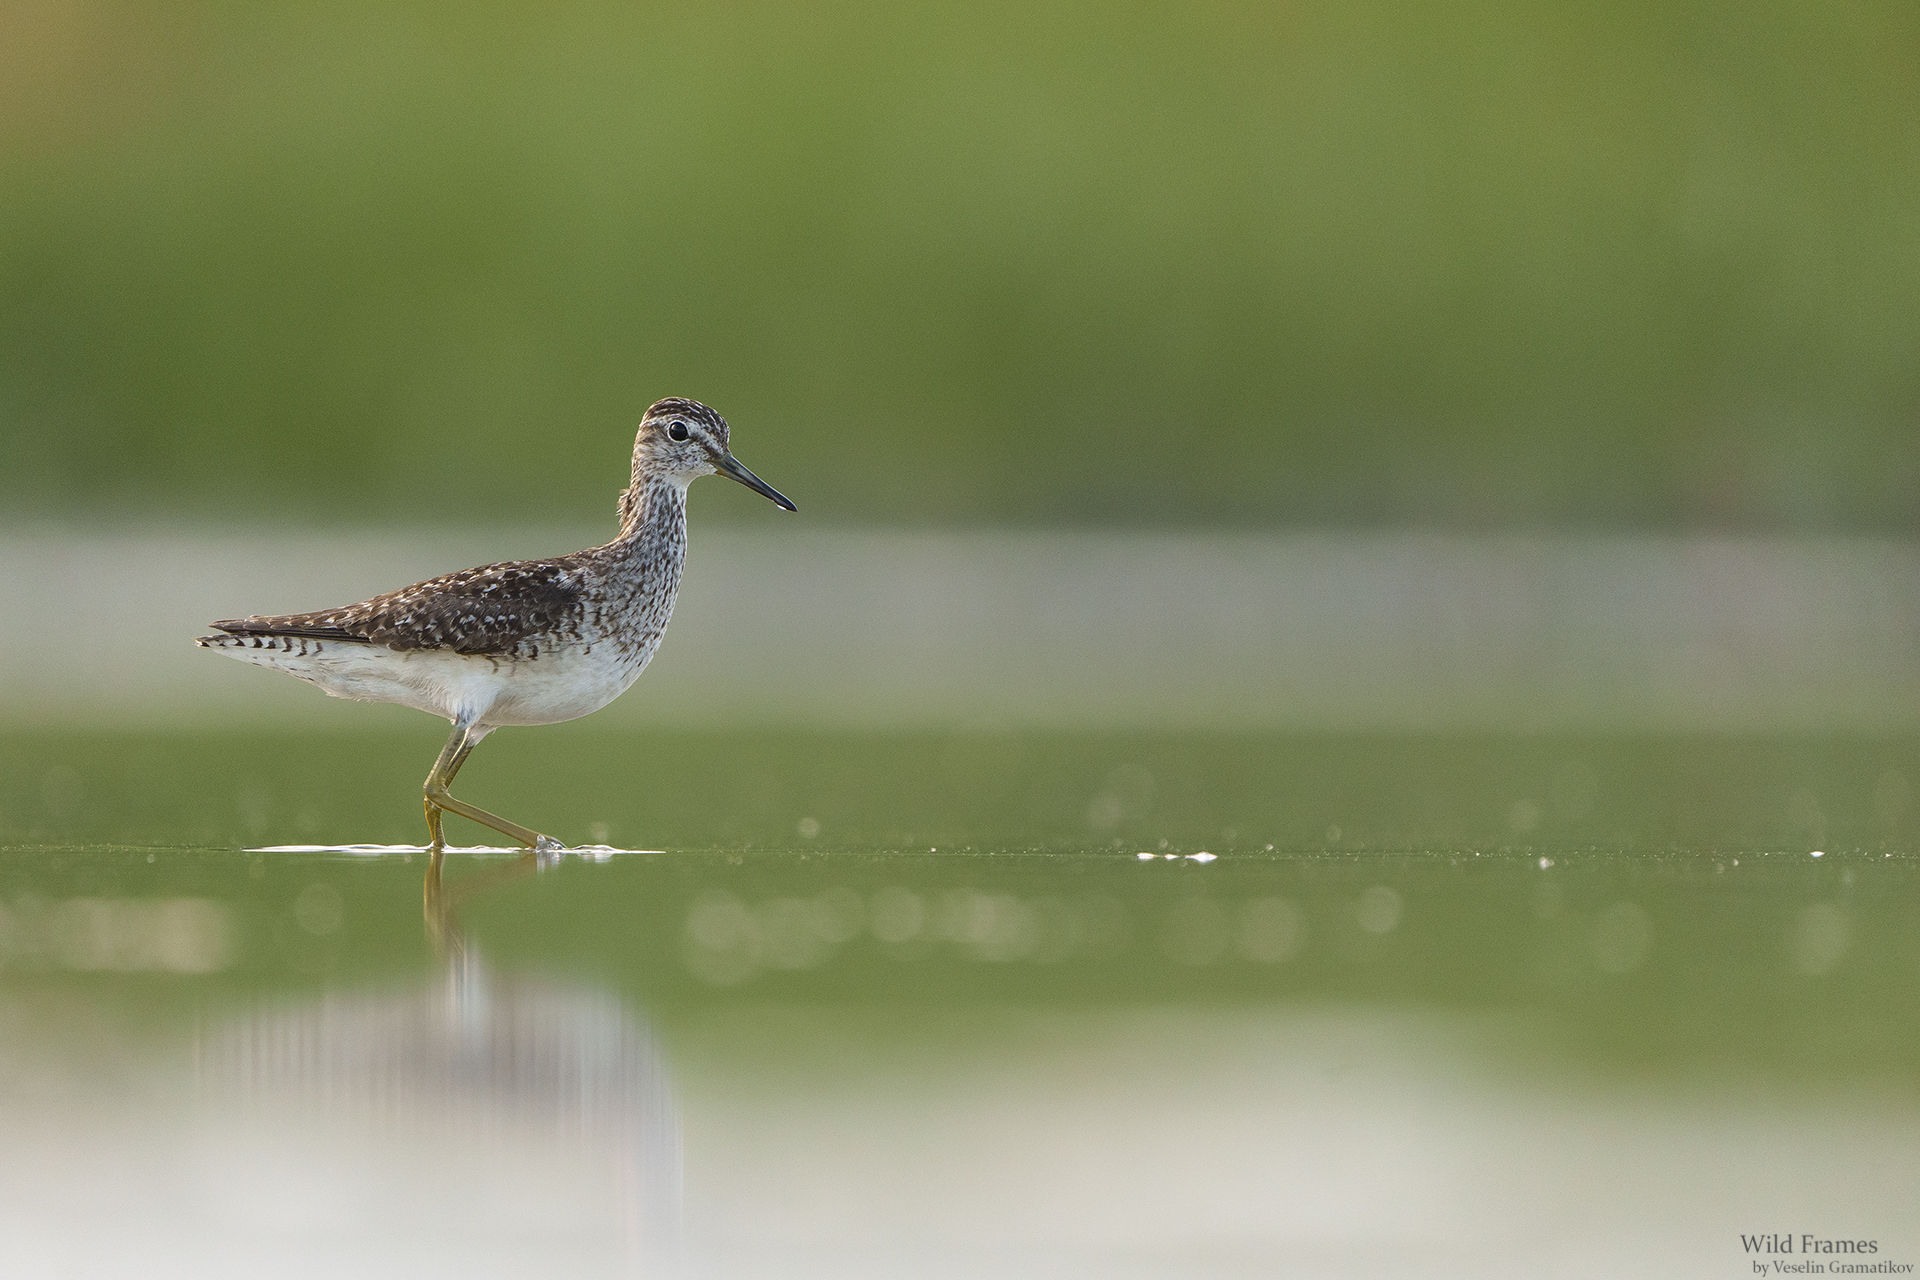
[481, 1075]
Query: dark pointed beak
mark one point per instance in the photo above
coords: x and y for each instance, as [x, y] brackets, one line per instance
[728, 465]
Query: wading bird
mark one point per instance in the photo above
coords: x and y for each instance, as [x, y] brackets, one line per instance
[521, 643]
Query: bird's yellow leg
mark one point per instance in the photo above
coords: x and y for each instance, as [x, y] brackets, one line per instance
[438, 799]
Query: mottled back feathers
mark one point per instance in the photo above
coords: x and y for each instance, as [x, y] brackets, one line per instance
[494, 610]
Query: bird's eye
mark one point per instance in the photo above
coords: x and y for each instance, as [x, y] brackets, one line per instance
[676, 430]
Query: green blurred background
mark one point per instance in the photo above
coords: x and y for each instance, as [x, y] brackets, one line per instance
[1470, 264]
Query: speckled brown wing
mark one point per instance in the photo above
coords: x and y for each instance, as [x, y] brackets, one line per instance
[495, 610]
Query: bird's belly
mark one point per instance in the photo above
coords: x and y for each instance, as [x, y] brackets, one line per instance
[560, 684]
[564, 684]
[436, 681]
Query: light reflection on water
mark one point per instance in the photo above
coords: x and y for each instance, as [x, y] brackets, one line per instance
[728, 940]
[1086, 1065]
[556, 1097]
[589, 852]
[477, 1055]
[118, 935]
[480, 1124]
[1252, 1141]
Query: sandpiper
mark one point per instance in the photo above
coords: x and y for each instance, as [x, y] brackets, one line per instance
[526, 642]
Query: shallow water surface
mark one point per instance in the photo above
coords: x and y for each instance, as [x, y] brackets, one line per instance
[982, 1004]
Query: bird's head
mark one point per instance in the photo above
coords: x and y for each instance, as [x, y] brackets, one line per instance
[682, 440]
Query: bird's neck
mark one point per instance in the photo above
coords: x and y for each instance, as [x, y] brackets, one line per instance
[653, 506]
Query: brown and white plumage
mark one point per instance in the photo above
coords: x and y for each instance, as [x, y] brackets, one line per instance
[494, 610]
[525, 642]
